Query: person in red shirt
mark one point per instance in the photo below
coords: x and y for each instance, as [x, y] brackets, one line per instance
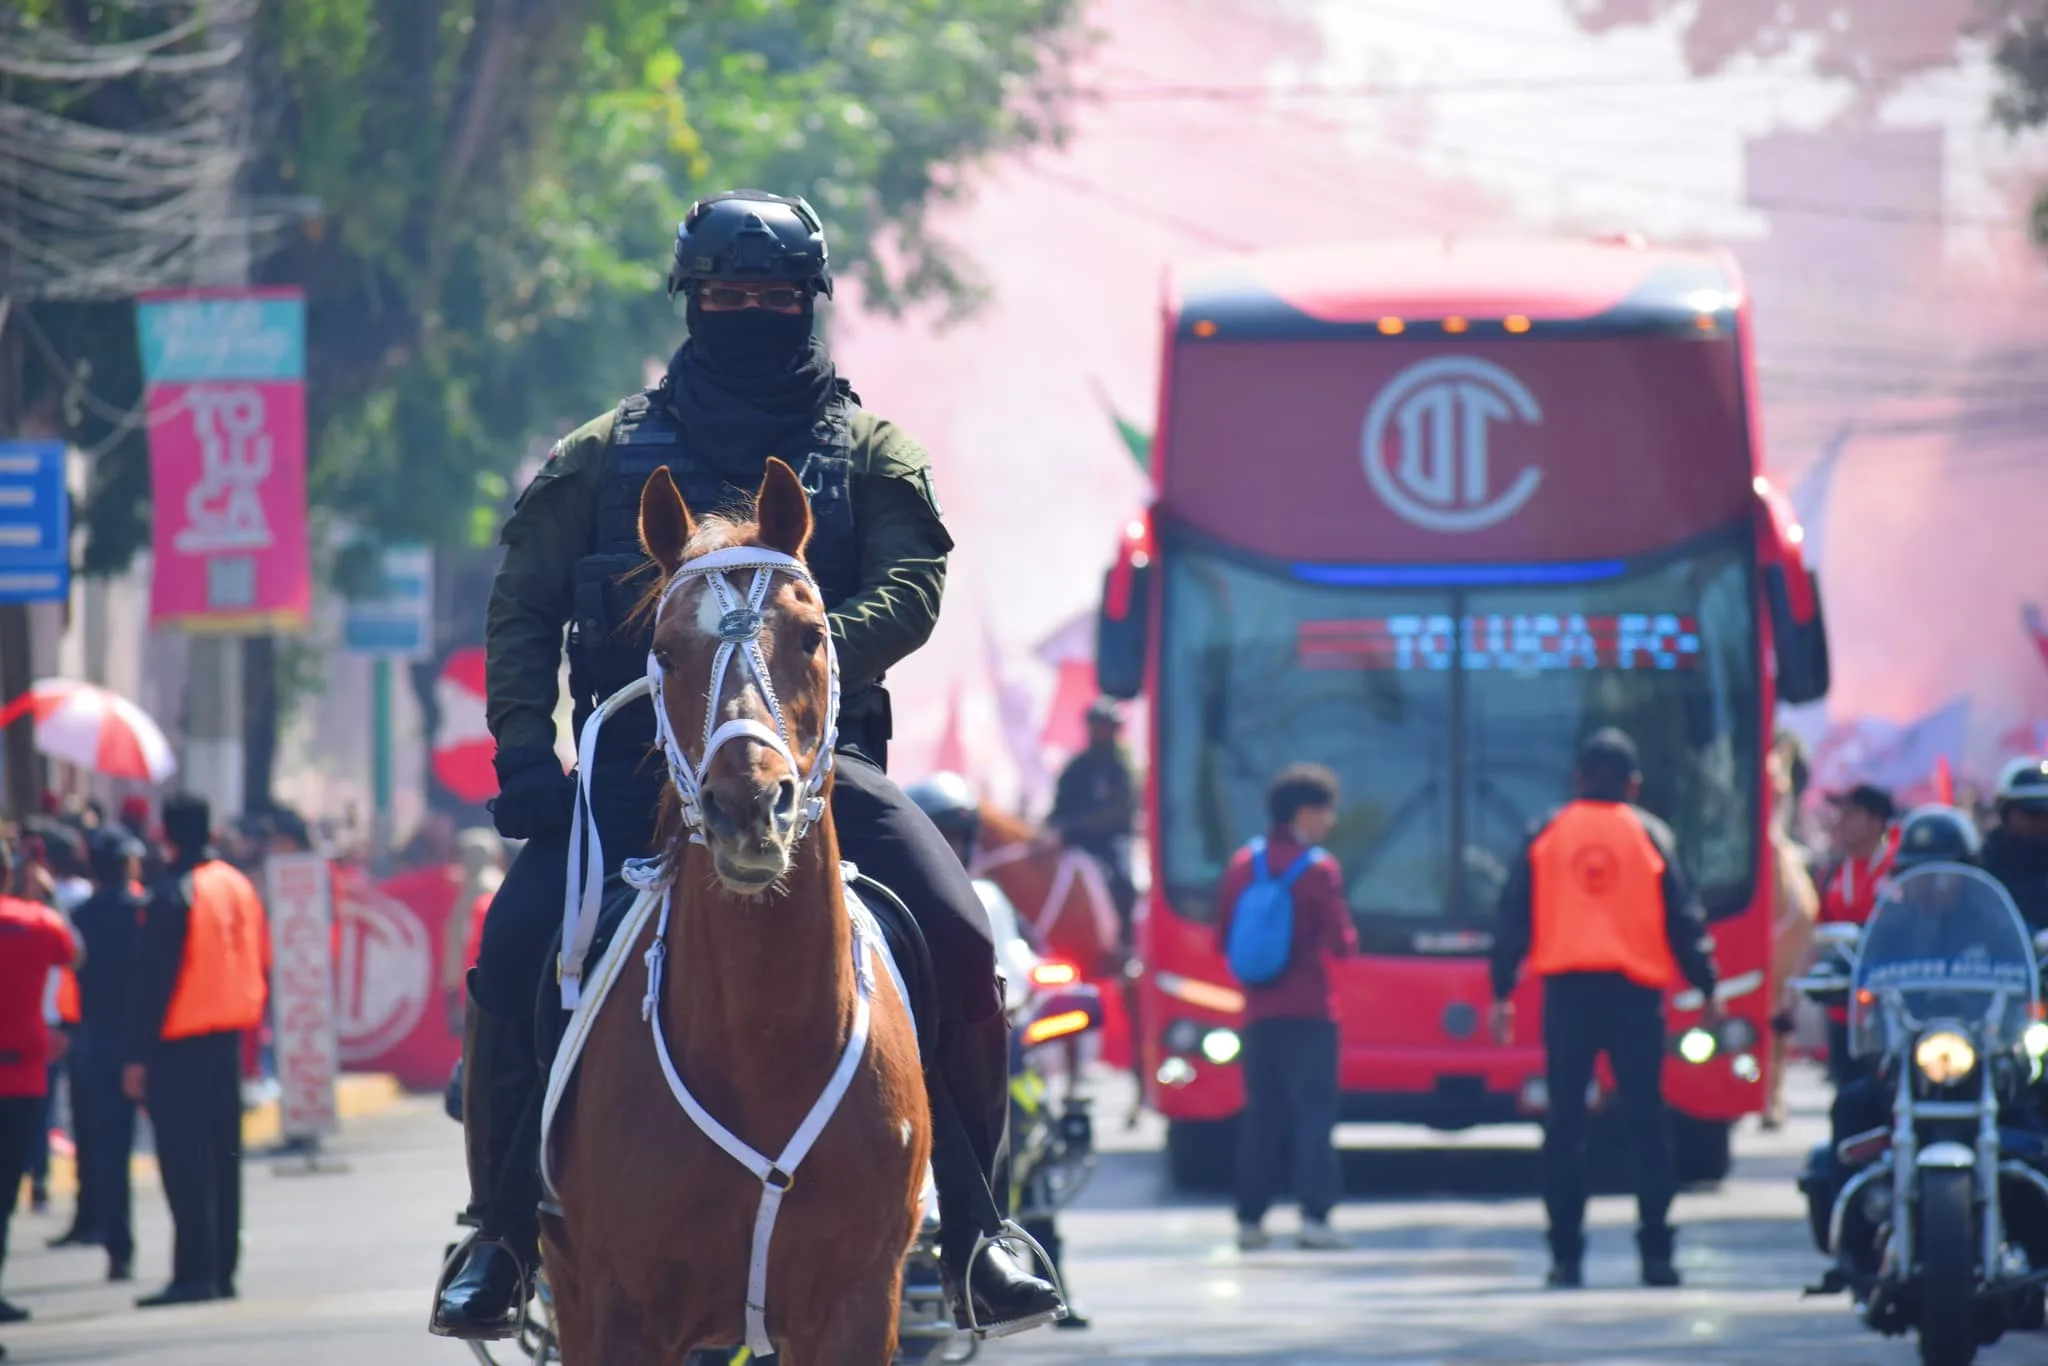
[1865, 845]
[33, 940]
[1290, 1023]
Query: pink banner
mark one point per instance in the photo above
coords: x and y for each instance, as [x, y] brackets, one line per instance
[228, 476]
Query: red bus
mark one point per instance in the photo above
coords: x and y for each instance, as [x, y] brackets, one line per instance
[1429, 514]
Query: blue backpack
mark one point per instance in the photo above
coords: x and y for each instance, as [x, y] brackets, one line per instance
[1262, 922]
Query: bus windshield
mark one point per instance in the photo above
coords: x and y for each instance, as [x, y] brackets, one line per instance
[1452, 713]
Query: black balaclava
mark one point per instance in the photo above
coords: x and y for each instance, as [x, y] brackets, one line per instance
[749, 343]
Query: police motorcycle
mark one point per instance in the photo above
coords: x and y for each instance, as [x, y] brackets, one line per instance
[1052, 1149]
[1941, 1225]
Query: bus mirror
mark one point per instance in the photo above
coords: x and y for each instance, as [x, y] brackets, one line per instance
[1120, 629]
[1802, 647]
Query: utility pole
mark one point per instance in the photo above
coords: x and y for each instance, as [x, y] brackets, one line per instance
[213, 759]
[17, 665]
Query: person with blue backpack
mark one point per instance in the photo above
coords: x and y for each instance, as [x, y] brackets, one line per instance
[1281, 918]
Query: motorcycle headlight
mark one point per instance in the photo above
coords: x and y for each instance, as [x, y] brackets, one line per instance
[2036, 1040]
[1944, 1056]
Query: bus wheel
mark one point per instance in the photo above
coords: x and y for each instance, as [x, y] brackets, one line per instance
[1201, 1154]
[1701, 1149]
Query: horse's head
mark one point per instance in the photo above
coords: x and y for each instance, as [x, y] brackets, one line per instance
[745, 679]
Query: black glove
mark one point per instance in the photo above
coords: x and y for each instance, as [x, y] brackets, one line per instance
[535, 798]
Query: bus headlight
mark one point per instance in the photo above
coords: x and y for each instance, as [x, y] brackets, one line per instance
[1944, 1056]
[1737, 1034]
[1697, 1046]
[1182, 1036]
[1221, 1046]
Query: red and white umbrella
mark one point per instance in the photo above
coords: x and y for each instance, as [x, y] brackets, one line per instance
[87, 725]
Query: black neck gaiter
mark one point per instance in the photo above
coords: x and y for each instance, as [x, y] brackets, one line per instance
[748, 384]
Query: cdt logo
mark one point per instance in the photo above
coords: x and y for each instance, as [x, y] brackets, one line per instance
[384, 975]
[1426, 437]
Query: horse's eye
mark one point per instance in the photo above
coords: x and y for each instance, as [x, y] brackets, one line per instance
[814, 639]
[663, 660]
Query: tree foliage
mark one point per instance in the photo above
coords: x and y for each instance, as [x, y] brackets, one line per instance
[502, 180]
[2020, 52]
[498, 182]
[1873, 46]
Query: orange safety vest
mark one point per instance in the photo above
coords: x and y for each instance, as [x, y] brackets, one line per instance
[1597, 897]
[69, 1009]
[227, 956]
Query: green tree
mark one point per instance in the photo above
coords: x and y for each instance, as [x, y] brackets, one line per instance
[2020, 52]
[497, 183]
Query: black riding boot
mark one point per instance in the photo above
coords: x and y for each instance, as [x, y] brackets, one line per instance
[485, 1297]
[970, 1113]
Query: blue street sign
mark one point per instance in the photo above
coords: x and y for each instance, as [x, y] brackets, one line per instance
[399, 618]
[35, 522]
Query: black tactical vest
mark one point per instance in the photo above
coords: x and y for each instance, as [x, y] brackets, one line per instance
[607, 648]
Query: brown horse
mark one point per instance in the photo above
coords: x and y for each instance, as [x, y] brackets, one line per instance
[1064, 900]
[758, 1002]
[1060, 893]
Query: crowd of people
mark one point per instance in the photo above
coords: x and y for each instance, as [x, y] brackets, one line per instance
[134, 957]
[1598, 908]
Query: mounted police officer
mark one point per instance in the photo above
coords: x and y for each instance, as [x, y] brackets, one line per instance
[750, 382]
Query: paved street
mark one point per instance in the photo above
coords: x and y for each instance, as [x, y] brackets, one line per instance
[1446, 1252]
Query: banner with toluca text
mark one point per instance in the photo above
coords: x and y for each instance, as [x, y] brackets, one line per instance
[224, 372]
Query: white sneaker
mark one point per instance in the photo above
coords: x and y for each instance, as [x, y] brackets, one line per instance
[1250, 1238]
[1317, 1236]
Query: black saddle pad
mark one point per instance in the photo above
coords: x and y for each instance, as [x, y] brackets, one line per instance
[900, 932]
[551, 1021]
[913, 957]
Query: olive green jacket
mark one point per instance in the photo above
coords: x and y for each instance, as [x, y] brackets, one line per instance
[554, 524]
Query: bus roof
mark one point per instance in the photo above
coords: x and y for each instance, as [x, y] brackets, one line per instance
[1609, 287]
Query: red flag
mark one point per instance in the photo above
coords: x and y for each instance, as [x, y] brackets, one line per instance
[951, 755]
[1944, 782]
[2036, 623]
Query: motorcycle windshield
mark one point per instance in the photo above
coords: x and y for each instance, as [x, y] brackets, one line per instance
[1944, 943]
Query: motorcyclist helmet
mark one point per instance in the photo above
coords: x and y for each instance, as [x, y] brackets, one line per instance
[950, 802]
[1936, 834]
[751, 237]
[2024, 782]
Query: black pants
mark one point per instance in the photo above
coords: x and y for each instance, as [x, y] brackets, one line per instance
[1115, 857]
[195, 1104]
[1290, 1090]
[19, 1118]
[104, 1120]
[879, 829]
[1586, 1014]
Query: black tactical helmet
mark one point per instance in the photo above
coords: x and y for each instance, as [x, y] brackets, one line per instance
[751, 236]
[2024, 782]
[1936, 834]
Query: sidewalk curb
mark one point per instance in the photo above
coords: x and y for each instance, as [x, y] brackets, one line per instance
[357, 1095]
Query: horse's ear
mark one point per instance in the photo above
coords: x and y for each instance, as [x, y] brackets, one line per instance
[665, 522]
[784, 510]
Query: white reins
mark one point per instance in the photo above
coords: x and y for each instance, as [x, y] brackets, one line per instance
[739, 634]
[739, 631]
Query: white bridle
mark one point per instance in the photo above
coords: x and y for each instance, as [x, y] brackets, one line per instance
[740, 624]
[739, 634]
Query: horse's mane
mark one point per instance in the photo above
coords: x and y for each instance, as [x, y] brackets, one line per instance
[1005, 827]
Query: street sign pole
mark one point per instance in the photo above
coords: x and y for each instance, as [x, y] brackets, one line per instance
[380, 756]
